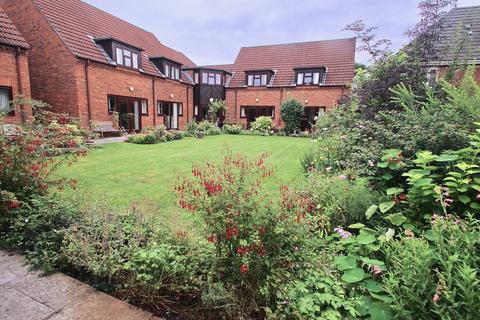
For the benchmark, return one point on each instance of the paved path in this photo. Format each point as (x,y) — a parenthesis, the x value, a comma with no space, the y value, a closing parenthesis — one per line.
(110,140)
(27,295)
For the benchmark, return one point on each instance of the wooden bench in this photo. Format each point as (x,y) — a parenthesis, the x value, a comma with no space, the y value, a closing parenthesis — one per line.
(105,127)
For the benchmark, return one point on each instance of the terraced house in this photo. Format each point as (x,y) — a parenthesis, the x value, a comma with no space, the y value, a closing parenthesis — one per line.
(93,65)
(14,76)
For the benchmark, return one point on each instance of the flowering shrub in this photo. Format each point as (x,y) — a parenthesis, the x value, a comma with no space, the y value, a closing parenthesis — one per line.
(232,129)
(262,125)
(30,217)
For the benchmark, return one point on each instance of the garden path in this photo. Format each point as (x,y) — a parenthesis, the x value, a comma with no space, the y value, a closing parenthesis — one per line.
(26,294)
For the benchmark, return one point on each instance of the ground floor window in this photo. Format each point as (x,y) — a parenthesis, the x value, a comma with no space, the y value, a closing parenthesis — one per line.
(251,113)
(5,98)
(129,111)
(311,116)
(171,111)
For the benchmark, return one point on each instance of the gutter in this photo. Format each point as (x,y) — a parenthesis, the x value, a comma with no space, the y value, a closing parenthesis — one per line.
(87,85)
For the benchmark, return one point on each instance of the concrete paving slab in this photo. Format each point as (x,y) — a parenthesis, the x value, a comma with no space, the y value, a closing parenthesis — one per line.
(15,305)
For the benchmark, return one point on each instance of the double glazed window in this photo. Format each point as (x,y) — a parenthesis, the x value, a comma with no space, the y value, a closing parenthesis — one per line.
(255,112)
(172,71)
(126,57)
(211,78)
(432,77)
(310,77)
(164,108)
(257,80)
(5,97)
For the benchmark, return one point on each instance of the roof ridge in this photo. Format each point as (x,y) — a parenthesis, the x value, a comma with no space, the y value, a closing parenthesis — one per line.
(294,43)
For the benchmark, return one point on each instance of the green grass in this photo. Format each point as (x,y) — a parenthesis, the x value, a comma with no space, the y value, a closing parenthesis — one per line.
(121,173)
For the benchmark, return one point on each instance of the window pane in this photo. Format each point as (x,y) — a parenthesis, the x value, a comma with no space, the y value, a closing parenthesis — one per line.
(257,81)
(307,79)
(111,104)
(195,77)
(4,101)
(127,53)
(204,77)
(316,77)
(135,60)
(159,108)
(119,56)
(144,107)
(242,112)
(264,79)
(180,109)
(218,79)
(177,73)
(167,71)
(195,111)
(300,78)
(128,61)
(250,80)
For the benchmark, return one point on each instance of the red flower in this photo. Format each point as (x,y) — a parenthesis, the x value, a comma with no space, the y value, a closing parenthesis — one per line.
(212,238)
(243,268)
(232,232)
(13,204)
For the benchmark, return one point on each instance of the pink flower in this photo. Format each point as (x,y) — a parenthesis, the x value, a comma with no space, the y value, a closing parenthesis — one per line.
(243,268)
(448,202)
(371,163)
(376,270)
(344,234)
(436,298)
(343,177)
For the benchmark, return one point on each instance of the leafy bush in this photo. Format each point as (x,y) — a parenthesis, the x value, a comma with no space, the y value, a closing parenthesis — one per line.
(262,125)
(208,129)
(142,139)
(174,135)
(232,129)
(155,135)
(216,109)
(292,113)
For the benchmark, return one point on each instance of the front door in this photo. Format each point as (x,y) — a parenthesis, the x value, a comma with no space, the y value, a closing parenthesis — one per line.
(129,114)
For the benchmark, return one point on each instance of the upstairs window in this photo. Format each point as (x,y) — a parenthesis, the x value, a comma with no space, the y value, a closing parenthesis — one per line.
(257,80)
(310,77)
(212,78)
(172,71)
(127,57)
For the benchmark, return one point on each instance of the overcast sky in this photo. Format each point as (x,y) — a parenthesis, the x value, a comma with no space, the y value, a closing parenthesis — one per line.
(212,31)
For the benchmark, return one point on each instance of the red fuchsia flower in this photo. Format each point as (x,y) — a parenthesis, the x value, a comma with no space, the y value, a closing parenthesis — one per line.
(344,234)
(243,268)
(402,197)
(232,232)
(212,239)
(13,204)
(31,148)
(242,250)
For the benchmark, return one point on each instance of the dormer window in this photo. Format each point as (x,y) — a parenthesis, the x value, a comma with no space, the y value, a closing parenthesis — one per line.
(172,71)
(307,77)
(212,78)
(123,54)
(258,78)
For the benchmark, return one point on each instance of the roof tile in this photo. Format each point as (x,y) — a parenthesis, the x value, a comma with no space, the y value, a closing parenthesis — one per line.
(9,34)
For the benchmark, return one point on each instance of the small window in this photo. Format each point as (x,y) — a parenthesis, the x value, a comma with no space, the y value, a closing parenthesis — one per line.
(144,107)
(5,97)
(204,77)
(211,78)
(196,77)
(195,111)
(111,104)
(432,77)
(167,70)
(218,79)
(159,108)
(180,109)
(127,57)
(250,80)
(242,112)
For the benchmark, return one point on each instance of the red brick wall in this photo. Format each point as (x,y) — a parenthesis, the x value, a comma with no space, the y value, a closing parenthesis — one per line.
(9,77)
(105,80)
(444,69)
(316,97)
(51,64)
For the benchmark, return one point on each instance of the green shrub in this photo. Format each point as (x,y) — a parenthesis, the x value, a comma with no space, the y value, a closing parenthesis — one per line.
(142,139)
(232,129)
(174,135)
(292,113)
(262,126)
(191,128)
(208,129)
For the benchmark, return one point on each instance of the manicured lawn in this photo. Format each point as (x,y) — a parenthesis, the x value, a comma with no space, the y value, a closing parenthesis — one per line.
(121,173)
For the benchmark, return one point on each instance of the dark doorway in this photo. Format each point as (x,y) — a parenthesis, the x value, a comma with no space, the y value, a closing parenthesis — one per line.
(171,112)
(129,112)
(310,118)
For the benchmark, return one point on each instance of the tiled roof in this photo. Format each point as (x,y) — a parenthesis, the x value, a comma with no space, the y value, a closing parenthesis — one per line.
(460,25)
(9,34)
(338,56)
(78,23)
(224,67)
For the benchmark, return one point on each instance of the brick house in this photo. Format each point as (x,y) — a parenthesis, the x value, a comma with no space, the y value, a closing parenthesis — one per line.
(90,64)
(14,77)
(315,73)
(459,42)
